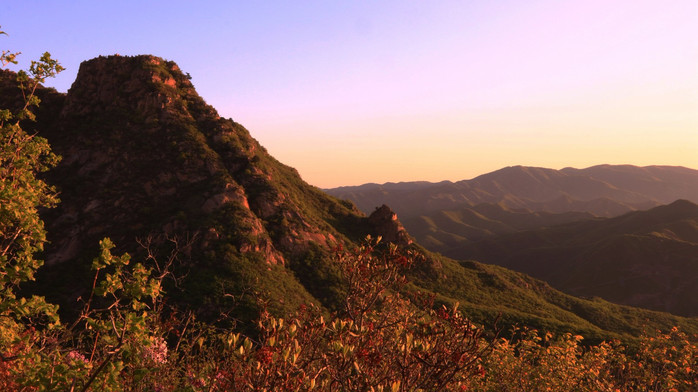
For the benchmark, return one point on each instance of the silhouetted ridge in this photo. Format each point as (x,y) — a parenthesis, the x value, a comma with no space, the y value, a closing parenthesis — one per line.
(604,190)
(678,208)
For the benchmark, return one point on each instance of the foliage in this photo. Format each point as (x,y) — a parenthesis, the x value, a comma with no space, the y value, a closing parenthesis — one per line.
(22,156)
(22,233)
(115,344)
(380,340)
(531,362)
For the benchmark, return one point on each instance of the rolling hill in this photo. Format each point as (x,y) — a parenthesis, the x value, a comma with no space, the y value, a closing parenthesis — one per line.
(643,258)
(440,231)
(564,227)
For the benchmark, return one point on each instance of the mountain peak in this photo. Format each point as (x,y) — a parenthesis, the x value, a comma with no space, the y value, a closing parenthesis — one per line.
(145,86)
(144,156)
(677,209)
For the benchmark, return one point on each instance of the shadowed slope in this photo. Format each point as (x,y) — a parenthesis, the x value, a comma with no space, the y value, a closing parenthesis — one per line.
(644,258)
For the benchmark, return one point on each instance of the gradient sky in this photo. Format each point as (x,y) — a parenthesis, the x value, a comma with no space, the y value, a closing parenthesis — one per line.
(374,91)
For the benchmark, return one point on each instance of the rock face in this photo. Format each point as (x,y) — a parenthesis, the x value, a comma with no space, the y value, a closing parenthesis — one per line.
(384,223)
(145,157)
(137,144)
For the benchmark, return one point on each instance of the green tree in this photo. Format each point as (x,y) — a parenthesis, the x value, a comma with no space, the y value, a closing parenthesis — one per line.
(22,156)
(22,234)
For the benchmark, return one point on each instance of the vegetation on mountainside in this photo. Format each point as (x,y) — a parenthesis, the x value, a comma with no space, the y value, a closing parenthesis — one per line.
(22,193)
(385,333)
(380,340)
(643,258)
(488,292)
(145,154)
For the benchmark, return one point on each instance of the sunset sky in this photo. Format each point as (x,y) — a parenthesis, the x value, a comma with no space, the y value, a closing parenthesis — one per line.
(350,92)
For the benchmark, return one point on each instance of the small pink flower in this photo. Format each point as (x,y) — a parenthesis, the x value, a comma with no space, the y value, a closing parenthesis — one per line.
(75,356)
(157,351)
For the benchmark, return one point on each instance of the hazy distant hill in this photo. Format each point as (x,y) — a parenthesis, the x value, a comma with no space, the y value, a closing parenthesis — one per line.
(145,156)
(445,215)
(644,258)
(443,230)
(604,190)
(547,223)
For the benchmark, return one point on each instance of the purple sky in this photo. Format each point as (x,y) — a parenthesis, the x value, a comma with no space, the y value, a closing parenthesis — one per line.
(357,91)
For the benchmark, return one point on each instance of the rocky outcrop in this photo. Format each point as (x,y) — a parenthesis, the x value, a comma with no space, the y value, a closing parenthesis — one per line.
(145,153)
(144,156)
(384,223)
(144,85)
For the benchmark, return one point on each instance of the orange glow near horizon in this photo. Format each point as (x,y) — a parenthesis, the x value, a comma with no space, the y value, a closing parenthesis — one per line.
(357,92)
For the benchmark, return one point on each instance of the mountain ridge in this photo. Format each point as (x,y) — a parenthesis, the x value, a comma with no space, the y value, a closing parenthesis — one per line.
(145,157)
(447,215)
(535,188)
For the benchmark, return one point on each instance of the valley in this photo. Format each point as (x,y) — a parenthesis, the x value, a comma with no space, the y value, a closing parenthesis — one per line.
(601,232)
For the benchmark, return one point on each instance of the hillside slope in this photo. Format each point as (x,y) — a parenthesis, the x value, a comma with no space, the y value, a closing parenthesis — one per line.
(441,231)
(644,258)
(145,157)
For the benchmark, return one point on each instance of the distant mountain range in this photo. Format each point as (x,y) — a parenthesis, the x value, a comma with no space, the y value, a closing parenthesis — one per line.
(566,227)
(147,161)
(604,190)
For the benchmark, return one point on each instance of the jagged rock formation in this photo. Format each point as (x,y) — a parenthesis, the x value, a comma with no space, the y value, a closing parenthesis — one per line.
(144,155)
(384,223)
(180,156)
